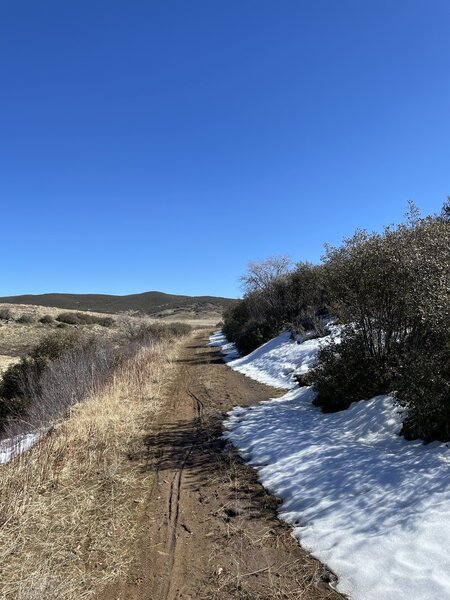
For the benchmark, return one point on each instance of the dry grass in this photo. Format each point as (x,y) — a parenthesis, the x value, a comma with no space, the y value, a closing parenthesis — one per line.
(37,312)
(66,517)
(16,339)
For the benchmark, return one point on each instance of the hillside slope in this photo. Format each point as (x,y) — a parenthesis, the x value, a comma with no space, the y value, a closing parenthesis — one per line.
(148,302)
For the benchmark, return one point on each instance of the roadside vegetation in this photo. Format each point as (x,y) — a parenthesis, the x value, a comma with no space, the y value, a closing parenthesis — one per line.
(390,292)
(68,366)
(67,509)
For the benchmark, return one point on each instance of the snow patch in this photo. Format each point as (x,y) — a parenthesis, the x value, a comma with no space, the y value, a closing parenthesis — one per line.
(362,499)
(12,447)
(276,362)
(229,350)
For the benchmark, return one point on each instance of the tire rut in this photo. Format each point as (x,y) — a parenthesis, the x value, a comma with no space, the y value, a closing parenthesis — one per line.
(173,512)
(208,529)
(199,406)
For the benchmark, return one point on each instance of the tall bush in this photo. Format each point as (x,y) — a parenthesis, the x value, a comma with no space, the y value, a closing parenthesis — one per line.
(393,291)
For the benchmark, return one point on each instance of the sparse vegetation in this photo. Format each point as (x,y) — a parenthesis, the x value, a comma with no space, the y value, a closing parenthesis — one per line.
(67,525)
(141,330)
(74,485)
(66,367)
(82,318)
(59,371)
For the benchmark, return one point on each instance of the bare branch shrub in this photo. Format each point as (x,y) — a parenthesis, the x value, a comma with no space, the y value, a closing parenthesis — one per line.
(260,275)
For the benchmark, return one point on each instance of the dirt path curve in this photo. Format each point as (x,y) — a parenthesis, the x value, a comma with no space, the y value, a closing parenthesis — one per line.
(208,530)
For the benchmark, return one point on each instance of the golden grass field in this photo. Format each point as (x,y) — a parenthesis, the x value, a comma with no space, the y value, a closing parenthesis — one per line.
(66,510)
(16,339)
(66,507)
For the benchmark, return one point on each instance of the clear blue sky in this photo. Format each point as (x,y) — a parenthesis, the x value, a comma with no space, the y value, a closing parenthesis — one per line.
(164,144)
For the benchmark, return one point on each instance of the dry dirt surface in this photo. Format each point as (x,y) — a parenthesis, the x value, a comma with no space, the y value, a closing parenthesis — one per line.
(208,530)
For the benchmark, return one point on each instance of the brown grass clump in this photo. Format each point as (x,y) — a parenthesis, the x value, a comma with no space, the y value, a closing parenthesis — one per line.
(66,517)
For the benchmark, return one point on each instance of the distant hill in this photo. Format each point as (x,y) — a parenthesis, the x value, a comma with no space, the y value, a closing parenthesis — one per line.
(147,302)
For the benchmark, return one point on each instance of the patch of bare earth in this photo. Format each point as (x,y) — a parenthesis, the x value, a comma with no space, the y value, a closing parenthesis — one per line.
(206,528)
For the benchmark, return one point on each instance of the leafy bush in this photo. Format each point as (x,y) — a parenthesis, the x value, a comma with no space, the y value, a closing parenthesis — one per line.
(346,372)
(423,388)
(79,318)
(245,330)
(394,288)
(252,335)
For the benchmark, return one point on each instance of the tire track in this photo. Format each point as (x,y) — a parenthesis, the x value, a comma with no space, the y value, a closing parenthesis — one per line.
(198,405)
(208,530)
(173,513)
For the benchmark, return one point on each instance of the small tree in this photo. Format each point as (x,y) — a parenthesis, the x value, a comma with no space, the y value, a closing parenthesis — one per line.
(260,275)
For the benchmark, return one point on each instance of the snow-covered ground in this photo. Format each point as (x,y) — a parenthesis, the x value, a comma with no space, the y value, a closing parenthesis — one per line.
(372,506)
(12,447)
(229,351)
(276,362)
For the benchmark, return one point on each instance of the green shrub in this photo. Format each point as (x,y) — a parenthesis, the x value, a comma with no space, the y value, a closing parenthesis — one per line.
(394,288)
(253,335)
(423,388)
(245,331)
(346,373)
(55,344)
(391,285)
(305,297)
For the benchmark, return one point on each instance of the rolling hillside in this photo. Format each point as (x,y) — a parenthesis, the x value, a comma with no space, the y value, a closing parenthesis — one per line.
(147,302)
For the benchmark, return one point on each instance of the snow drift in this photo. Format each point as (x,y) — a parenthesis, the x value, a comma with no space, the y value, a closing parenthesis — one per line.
(362,499)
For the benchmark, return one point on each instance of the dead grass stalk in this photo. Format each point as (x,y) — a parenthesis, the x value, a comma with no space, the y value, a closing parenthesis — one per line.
(66,517)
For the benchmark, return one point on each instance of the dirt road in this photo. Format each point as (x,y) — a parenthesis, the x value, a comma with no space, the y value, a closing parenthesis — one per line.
(208,530)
